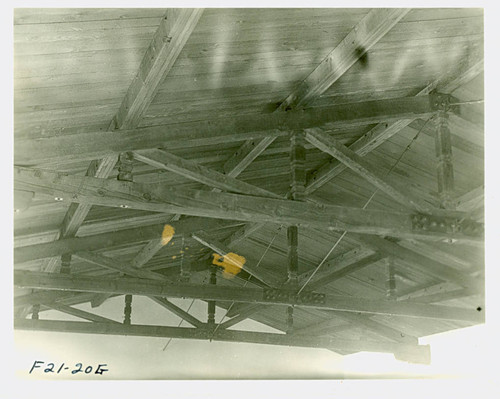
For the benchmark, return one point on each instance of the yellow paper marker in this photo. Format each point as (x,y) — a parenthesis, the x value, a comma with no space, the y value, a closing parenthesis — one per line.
(168,233)
(231,262)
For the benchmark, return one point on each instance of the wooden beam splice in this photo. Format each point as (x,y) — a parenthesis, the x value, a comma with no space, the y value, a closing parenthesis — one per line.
(157,198)
(384,131)
(362,38)
(356,163)
(89,145)
(133,286)
(246,264)
(191,170)
(417,353)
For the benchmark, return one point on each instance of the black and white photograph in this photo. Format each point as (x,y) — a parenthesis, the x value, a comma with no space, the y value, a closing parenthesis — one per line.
(251,193)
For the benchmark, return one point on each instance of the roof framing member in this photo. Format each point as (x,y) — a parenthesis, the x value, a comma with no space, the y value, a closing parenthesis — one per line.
(82,146)
(342,303)
(168,40)
(362,37)
(415,353)
(349,158)
(384,131)
(155,197)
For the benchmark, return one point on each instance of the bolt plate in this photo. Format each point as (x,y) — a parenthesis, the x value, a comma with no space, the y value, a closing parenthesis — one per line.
(306,298)
(441,224)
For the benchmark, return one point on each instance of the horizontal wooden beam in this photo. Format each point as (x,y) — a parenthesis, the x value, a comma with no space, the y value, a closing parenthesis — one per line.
(192,170)
(120,237)
(89,145)
(134,286)
(155,197)
(417,353)
(360,166)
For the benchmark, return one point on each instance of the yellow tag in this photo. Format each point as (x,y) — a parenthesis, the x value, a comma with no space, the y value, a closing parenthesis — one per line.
(231,262)
(168,233)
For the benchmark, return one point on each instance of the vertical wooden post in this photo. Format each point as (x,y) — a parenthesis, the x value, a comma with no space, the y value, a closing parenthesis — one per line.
(211,304)
(444,157)
(293,260)
(35,312)
(297,192)
(297,165)
(66,264)
(391,279)
(128,310)
(289,320)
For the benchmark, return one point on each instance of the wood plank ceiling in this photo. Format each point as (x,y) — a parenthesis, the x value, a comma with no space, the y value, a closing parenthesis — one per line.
(83,74)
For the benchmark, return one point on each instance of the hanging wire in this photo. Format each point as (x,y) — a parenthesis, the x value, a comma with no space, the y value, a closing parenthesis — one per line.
(187,311)
(365,205)
(246,282)
(189,308)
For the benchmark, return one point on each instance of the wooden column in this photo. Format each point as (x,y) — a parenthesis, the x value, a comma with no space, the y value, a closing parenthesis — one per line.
(444,156)
(211,304)
(35,312)
(297,189)
(128,310)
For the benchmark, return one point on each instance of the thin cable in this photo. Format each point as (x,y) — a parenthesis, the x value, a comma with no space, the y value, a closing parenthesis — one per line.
(246,282)
(364,206)
(182,263)
(187,311)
